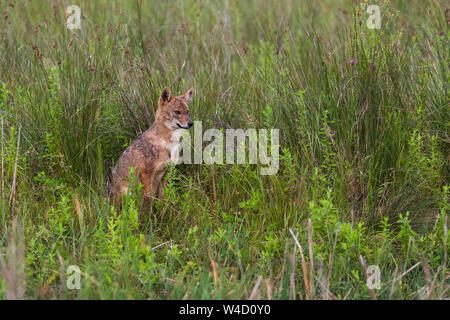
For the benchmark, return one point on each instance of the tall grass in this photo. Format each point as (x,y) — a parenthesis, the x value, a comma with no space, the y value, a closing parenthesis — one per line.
(364,144)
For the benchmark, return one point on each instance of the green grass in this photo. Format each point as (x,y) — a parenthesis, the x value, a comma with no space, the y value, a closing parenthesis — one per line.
(364,150)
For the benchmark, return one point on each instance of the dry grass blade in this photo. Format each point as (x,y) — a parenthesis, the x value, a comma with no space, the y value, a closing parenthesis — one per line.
(311,256)
(78,209)
(326,293)
(395,279)
(434,282)
(283,268)
(292,277)
(331,260)
(445,245)
(391,293)
(62,277)
(442,296)
(213,183)
(341,127)
(214,267)
(13,270)
(371,292)
(426,270)
(3,170)
(13,186)
(269,288)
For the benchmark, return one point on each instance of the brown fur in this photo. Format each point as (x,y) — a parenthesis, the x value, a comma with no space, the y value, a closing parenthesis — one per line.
(156,147)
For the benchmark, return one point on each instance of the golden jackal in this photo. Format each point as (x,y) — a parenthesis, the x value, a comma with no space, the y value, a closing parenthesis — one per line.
(156,147)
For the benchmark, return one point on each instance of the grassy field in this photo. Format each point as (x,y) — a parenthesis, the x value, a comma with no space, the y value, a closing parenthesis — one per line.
(364,170)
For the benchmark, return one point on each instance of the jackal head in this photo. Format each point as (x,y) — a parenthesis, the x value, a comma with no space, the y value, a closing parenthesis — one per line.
(173,111)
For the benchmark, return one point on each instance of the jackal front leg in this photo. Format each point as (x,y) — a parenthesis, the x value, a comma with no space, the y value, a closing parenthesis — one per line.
(147,179)
(159,183)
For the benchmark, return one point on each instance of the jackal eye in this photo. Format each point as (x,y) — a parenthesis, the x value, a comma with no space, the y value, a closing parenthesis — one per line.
(177,112)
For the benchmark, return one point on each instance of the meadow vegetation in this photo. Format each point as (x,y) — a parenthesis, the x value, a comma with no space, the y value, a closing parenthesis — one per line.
(364,150)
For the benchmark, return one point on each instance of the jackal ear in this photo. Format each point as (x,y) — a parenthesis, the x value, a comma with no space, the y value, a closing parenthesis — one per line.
(166,96)
(188,95)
